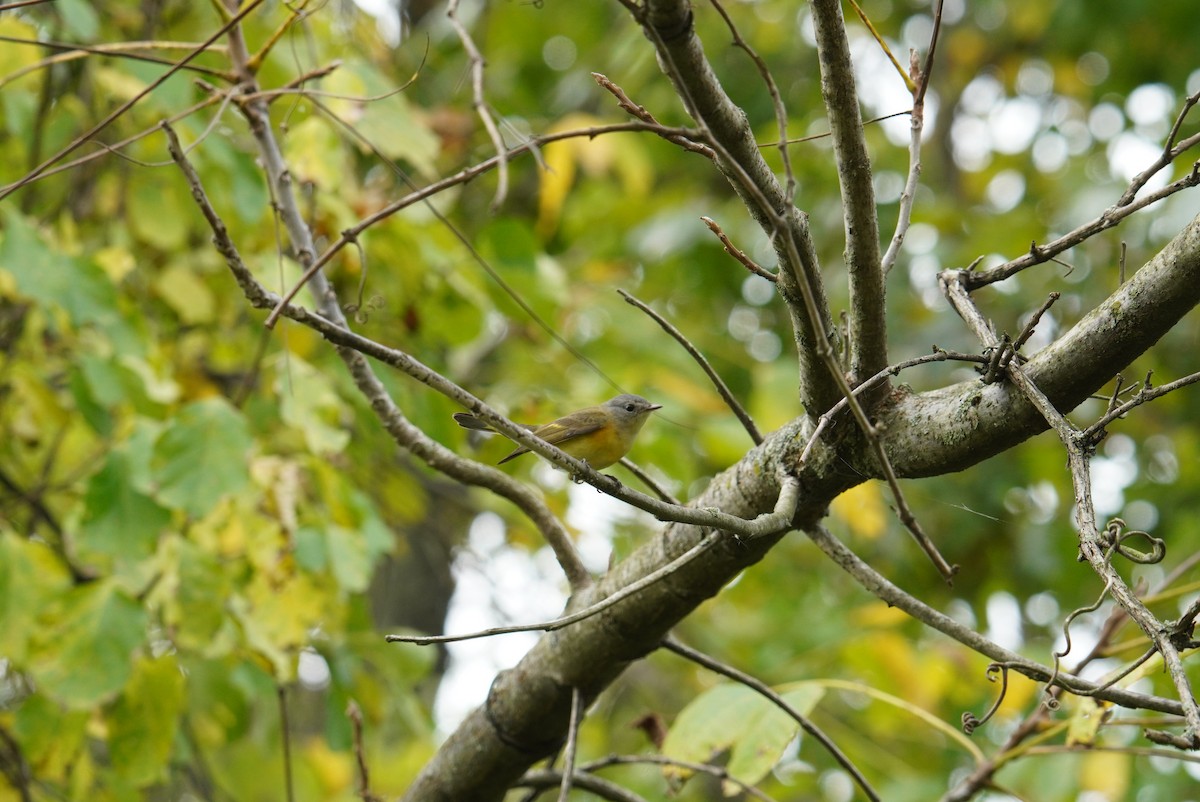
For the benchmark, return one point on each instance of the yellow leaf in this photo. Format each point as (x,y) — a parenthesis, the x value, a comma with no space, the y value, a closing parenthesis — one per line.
(560,160)
(862,510)
(15,58)
(333,770)
(1106,773)
(116,262)
(186,294)
(315,154)
(1087,717)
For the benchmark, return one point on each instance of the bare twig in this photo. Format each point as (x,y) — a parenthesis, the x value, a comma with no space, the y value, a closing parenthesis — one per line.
(423,194)
(479,101)
(604,789)
(354,713)
(1145,394)
(737,253)
(675,136)
(69,51)
(909,194)
(568,769)
(1031,324)
(781,116)
(764,526)
(921,76)
(1107,219)
(760,687)
(566,620)
(716,772)
(722,388)
(648,481)
(1170,152)
(285,738)
(796,140)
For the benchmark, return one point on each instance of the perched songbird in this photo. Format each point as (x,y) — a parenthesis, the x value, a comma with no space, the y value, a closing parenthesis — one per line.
(599,436)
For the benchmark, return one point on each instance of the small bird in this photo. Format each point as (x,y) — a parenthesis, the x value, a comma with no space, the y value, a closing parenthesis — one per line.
(599,436)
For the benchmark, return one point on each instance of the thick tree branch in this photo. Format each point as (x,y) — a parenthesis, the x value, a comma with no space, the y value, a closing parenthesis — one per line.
(970,421)
(868,323)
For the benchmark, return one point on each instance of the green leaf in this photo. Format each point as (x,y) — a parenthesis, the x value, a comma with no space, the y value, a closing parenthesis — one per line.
(51,736)
(159,211)
(80,20)
(202,590)
(348,558)
(399,134)
(309,549)
(144,720)
(84,653)
(309,403)
(30,577)
(736,718)
(201,457)
(119,520)
(78,286)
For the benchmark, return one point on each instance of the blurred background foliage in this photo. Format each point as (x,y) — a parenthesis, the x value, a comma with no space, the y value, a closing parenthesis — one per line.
(203,527)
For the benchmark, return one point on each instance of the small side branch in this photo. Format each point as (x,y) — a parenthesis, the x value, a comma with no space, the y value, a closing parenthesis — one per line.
(640,112)
(568,772)
(737,253)
(567,620)
(1110,217)
(1147,393)
(919,84)
(722,388)
(781,117)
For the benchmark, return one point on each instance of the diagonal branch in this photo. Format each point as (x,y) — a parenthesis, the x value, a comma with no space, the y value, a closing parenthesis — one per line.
(719,383)
(878,585)
(1098,554)
(398,426)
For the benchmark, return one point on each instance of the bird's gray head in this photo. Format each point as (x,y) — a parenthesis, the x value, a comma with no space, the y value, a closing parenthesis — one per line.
(630,407)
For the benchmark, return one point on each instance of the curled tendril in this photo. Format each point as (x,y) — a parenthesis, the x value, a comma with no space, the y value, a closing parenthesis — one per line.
(1049,699)
(969,720)
(1115,534)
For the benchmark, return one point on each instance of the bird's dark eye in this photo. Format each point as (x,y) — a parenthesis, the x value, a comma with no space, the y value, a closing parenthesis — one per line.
(629,407)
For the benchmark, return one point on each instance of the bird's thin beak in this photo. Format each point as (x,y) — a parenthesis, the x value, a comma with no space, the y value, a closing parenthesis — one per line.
(655,406)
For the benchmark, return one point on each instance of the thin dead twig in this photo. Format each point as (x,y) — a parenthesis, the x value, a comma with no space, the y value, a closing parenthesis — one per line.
(479,101)
(723,389)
